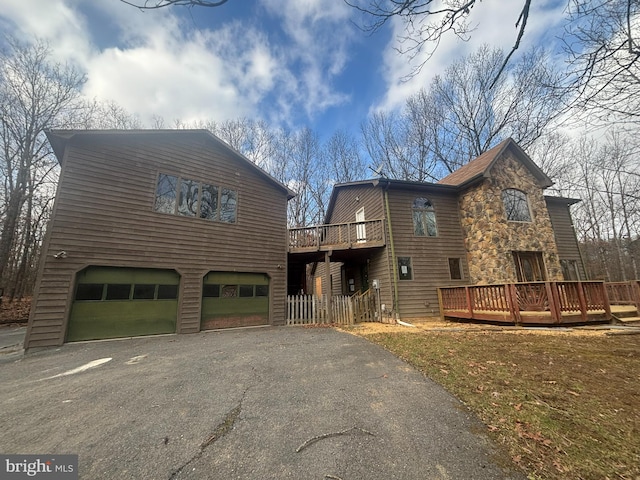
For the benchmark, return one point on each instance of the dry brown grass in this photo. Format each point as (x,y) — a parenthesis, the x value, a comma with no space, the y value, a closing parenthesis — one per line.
(564,404)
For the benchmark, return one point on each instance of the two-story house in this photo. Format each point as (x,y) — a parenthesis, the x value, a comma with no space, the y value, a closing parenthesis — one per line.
(488,222)
(158,231)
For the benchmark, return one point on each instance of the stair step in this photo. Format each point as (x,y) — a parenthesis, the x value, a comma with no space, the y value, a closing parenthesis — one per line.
(627,320)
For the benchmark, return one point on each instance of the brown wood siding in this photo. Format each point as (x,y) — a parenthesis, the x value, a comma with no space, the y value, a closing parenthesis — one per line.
(350,199)
(564,233)
(418,298)
(104,216)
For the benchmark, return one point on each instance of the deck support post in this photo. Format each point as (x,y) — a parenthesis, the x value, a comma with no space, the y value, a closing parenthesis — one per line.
(327,269)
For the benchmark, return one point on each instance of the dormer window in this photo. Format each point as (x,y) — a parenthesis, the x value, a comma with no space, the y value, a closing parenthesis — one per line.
(424,218)
(516,206)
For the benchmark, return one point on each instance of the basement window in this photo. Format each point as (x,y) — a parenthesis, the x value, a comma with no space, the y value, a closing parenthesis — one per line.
(455,269)
(405,272)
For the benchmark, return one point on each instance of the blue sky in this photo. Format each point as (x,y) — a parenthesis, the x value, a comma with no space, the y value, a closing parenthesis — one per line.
(292,63)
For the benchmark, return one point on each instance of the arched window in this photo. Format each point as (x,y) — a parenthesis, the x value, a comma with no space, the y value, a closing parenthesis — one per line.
(516,206)
(424,218)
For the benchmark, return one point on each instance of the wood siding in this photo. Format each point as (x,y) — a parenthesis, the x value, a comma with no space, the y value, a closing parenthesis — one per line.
(418,298)
(104,215)
(350,199)
(565,235)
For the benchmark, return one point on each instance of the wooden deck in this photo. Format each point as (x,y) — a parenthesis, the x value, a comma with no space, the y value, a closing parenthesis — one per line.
(339,236)
(535,303)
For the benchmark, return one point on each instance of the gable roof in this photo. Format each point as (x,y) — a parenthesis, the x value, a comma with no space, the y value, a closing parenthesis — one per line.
(480,167)
(60,139)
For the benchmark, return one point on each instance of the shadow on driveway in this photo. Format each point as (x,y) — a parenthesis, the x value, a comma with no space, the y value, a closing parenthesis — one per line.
(257,403)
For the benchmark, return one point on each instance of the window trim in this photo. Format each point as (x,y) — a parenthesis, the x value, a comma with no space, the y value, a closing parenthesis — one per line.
(423,213)
(219,216)
(409,275)
(460,269)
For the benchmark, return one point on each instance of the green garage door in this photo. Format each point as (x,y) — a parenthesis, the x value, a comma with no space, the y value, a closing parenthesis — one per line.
(234,300)
(111,302)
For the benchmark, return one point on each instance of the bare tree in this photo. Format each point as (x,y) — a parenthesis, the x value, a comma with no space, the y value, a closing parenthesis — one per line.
(427,21)
(602,43)
(458,116)
(35,94)
(155,4)
(342,154)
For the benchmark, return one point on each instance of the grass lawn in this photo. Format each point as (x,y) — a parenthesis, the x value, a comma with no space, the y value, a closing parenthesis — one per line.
(562,404)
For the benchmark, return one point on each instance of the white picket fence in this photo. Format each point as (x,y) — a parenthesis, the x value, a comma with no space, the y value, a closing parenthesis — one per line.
(345,309)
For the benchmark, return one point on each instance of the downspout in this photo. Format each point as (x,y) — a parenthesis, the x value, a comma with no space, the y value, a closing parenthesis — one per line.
(394,260)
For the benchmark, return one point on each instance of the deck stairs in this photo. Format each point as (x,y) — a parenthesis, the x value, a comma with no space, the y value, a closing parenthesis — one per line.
(625,314)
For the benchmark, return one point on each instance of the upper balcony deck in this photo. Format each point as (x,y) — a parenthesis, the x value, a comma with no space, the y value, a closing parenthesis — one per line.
(338,236)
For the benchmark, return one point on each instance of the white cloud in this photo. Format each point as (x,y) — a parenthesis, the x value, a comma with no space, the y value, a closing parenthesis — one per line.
(156,63)
(494,23)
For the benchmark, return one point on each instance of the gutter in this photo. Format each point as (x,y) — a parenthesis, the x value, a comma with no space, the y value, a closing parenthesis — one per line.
(394,260)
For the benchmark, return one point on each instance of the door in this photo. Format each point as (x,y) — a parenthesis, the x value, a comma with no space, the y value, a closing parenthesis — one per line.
(112,302)
(361,228)
(529,266)
(231,299)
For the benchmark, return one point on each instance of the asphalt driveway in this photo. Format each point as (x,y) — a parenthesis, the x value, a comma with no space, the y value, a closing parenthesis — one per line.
(265,403)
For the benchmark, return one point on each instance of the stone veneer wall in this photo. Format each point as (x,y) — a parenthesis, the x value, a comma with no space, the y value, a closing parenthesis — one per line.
(490,239)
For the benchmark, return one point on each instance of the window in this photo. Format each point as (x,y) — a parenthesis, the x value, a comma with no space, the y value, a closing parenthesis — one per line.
(144,292)
(516,206)
(167,292)
(166,194)
(455,269)
(118,291)
(190,198)
(424,218)
(570,270)
(262,290)
(246,291)
(188,204)
(529,266)
(404,268)
(122,291)
(229,291)
(228,206)
(211,291)
(209,202)
(89,291)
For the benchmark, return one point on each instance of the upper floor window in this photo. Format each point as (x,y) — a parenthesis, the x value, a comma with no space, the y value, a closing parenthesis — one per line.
(424,218)
(190,198)
(516,206)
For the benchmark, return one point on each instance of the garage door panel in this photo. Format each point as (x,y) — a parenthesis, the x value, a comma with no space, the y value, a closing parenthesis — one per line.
(112,302)
(232,299)
(121,319)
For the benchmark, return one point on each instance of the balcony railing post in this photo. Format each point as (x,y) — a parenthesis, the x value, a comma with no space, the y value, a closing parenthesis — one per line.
(554,301)
(582,298)
(467,293)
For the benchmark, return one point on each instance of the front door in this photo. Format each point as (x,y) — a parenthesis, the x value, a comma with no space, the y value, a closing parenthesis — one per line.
(529,266)
(361,228)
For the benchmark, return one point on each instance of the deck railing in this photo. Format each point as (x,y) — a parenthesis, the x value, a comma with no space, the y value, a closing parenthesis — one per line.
(532,302)
(367,233)
(624,293)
